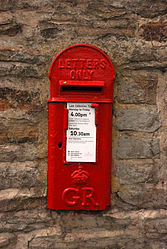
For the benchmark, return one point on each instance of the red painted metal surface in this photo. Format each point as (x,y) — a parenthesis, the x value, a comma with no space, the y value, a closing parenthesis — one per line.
(80,74)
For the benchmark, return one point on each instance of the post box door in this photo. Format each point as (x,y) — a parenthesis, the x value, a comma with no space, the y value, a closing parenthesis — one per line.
(75,181)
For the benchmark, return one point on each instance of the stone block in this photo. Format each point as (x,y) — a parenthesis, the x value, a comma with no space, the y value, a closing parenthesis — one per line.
(6,240)
(16,199)
(22,71)
(18,175)
(50,29)
(72,221)
(21,153)
(142,8)
(156,244)
(154,31)
(28,220)
(144,196)
(18,131)
(8,25)
(137,148)
(19,99)
(8,55)
(101,242)
(137,87)
(133,173)
(8,5)
(138,119)
(156,228)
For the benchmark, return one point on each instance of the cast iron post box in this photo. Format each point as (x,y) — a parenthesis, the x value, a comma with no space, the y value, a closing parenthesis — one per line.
(80,125)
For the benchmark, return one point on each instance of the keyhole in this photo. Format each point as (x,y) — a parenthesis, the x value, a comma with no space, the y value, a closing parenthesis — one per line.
(60,145)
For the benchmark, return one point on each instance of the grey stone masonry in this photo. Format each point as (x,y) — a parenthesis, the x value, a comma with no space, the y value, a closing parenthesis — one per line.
(138,119)
(134,172)
(134,147)
(137,86)
(133,33)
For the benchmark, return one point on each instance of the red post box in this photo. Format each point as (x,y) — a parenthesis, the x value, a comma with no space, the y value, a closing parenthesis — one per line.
(80,125)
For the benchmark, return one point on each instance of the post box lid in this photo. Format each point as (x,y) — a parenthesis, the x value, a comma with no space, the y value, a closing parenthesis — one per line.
(81,73)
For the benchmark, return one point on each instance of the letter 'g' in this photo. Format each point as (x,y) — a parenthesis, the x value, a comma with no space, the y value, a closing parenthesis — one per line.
(70,196)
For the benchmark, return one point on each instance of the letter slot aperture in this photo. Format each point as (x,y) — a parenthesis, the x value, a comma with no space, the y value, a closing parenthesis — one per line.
(82,86)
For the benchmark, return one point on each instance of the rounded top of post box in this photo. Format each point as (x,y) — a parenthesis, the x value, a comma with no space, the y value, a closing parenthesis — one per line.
(78,48)
(81,65)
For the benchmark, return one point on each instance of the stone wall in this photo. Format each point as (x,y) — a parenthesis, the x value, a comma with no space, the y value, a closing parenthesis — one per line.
(133,34)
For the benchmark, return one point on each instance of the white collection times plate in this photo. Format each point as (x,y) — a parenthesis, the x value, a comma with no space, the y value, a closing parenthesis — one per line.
(81,133)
